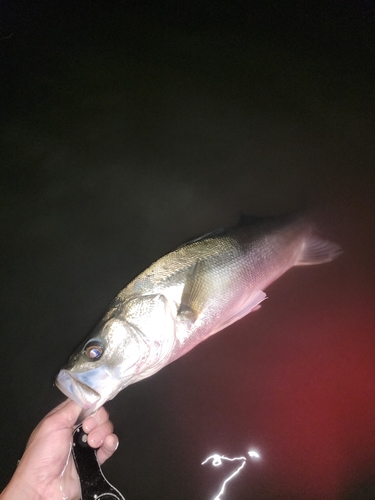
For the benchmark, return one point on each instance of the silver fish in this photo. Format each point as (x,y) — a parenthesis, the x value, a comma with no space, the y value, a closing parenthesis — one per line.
(183,298)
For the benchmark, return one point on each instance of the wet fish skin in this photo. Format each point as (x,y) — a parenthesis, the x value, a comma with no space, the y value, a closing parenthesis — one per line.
(183,298)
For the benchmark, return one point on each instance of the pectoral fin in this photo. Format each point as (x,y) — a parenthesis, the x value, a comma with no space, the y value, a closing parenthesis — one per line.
(194,293)
(252,303)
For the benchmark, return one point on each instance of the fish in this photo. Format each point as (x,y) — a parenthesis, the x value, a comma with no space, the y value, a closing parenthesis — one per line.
(191,293)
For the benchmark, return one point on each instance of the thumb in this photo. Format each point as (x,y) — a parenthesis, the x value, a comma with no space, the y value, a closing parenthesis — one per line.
(66,414)
(62,417)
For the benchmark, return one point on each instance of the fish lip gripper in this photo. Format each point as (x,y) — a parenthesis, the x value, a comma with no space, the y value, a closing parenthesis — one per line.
(94,486)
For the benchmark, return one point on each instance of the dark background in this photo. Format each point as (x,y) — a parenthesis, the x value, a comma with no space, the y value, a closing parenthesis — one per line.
(128,128)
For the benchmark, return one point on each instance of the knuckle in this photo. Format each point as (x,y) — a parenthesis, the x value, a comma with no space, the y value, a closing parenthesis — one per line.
(103,414)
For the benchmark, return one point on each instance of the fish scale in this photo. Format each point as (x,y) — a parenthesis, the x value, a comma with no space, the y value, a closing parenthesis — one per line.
(183,298)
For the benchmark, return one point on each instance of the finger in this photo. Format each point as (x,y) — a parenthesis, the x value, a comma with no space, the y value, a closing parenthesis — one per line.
(97,436)
(62,417)
(59,407)
(108,448)
(69,413)
(94,420)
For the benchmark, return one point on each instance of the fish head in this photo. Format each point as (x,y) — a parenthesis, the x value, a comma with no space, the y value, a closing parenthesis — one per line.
(102,366)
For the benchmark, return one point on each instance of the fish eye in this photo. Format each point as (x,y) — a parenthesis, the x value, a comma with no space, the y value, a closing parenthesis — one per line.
(93,350)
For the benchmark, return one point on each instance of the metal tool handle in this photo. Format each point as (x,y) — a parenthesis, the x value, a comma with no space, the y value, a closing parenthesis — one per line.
(94,485)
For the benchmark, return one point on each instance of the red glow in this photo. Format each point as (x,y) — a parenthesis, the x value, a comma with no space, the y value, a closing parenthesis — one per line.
(301,389)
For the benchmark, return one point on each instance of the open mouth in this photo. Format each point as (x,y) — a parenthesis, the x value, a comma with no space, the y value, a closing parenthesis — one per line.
(76,390)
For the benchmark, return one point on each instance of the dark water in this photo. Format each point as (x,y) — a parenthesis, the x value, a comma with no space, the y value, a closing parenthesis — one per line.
(128,128)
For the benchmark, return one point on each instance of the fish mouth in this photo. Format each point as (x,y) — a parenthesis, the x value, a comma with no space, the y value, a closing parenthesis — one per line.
(85,397)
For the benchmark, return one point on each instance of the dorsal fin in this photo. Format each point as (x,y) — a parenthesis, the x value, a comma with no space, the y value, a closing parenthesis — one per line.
(246,220)
(211,234)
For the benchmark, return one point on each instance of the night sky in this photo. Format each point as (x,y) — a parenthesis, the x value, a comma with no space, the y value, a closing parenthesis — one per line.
(128,128)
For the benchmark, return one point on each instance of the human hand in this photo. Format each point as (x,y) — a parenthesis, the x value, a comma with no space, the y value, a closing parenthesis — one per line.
(46,470)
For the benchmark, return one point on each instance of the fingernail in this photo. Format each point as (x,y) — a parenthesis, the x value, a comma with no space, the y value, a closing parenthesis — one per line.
(114,443)
(95,442)
(89,424)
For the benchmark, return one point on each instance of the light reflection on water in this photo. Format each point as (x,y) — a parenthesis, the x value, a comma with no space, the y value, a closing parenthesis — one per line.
(217,460)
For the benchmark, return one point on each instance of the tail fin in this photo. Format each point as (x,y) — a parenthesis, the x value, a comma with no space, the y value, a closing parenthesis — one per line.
(317,251)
